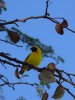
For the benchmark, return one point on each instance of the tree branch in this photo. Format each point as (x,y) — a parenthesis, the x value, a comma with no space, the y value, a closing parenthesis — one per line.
(9,63)
(33,67)
(46,11)
(34,17)
(69,92)
(17,83)
(66,89)
(10,58)
(10,43)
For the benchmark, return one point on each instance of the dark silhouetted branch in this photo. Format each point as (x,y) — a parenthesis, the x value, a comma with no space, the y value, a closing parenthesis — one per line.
(46,11)
(10,43)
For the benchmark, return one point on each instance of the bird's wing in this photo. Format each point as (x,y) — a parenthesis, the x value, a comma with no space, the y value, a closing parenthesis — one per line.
(26,59)
(23,66)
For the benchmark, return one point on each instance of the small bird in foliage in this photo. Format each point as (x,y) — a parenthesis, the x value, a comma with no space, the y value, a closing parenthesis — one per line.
(34,58)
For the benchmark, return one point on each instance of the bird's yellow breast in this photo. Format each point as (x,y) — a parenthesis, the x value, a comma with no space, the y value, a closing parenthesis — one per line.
(34,59)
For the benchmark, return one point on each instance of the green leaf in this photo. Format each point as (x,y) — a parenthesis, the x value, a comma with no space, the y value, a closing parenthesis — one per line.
(26,75)
(60,59)
(42,83)
(47,84)
(21,98)
(46,50)
(39,91)
(4,8)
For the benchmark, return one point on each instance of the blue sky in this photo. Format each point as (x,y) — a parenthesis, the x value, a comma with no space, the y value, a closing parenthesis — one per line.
(44,30)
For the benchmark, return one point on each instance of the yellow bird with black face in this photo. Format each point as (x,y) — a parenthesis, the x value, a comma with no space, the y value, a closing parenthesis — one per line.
(34,58)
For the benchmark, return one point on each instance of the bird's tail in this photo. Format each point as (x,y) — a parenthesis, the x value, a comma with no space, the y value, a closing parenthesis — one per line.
(23,69)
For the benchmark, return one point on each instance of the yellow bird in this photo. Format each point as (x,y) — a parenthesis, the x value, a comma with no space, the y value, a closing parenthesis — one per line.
(34,58)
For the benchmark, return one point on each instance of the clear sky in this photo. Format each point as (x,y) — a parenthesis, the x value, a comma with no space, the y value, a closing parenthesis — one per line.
(44,30)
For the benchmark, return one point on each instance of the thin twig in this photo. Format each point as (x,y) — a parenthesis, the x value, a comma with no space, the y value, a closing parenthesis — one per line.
(2,20)
(66,89)
(36,17)
(69,92)
(66,80)
(7,83)
(17,83)
(3,65)
(70,30)
(35,68)
(67,73)
(7,62)
(10,43)
(46,11)
(10,58)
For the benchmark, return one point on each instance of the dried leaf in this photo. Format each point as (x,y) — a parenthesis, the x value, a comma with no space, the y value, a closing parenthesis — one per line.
(51,67)
(59,29)
(2,3)
(45,96)
(14,37)
(64,24)
(46,76)
(17,74)
(59,92)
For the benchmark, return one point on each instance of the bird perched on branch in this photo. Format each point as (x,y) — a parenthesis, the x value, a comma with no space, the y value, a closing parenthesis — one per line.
(34,58)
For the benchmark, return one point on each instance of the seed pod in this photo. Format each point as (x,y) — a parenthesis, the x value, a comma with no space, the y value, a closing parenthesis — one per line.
(45,96)
(14,36)
(64,24)
(59,29)
(59,92)
(51,67)
(2,4)
(46,76)
(17,74)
